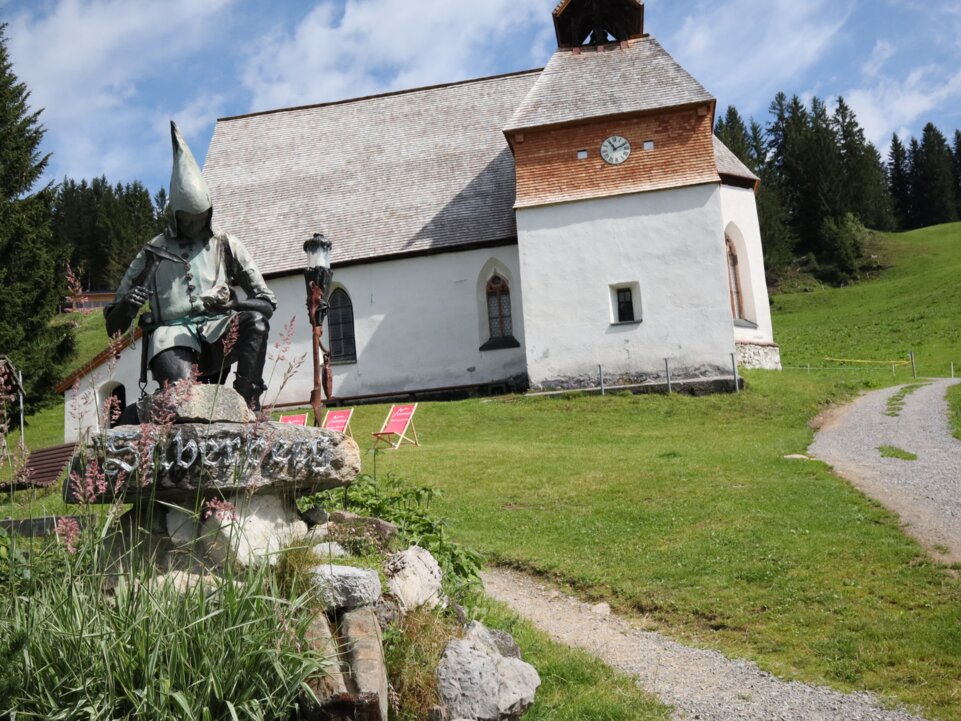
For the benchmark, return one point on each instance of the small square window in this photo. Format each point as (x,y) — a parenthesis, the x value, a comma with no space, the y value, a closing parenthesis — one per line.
(648,145)
(582,155)
(625,303)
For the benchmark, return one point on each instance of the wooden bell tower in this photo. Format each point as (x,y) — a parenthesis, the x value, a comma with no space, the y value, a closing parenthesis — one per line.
(597,22)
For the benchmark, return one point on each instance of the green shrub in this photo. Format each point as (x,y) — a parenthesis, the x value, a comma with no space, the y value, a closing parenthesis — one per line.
(408,507)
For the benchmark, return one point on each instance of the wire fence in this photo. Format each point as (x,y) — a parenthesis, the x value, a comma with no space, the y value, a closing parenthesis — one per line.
(910,368)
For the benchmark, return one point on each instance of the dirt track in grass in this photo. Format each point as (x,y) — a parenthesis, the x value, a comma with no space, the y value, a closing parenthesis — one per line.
(926,493)
(699,684)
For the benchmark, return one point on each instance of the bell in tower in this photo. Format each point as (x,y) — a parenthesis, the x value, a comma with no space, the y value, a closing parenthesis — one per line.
(598,22)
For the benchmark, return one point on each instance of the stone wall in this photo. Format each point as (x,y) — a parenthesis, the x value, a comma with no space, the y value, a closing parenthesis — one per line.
(761,356)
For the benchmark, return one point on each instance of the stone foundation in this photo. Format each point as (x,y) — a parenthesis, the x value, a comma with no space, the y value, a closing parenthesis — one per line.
(759,356)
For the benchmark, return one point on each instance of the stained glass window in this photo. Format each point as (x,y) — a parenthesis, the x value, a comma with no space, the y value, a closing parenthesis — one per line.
(499,308)
(340,322)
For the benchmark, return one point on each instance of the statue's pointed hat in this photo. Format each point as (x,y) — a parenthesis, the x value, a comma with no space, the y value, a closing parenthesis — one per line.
(188,189)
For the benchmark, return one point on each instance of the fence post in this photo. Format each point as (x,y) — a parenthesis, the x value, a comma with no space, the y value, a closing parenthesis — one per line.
(894,370)
(809,369)
(914,366)
(737,378)
(667,367)
(600,372)
(952,370)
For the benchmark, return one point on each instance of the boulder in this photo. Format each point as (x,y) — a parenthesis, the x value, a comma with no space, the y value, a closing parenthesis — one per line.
(213,459)
(316,516)
(493,638)
(346,587)
(330,550)
(378,530)
(196,404)
(256,532)
(476,681)
(414,579)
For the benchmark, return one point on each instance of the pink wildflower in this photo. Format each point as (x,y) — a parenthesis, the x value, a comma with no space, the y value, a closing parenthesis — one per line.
(230,337)
(283,342)
(91,486)
(68,532)
(75,293)
(223,510)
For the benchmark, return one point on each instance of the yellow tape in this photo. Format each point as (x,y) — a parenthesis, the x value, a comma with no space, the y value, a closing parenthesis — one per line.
(869,362)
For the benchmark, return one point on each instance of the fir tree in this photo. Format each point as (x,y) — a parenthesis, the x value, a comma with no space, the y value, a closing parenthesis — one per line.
(934,194)
(105,226)
(31,268)
(899,183)
(733,133)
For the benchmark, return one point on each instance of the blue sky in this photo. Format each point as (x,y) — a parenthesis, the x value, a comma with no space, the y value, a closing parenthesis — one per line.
(111,73)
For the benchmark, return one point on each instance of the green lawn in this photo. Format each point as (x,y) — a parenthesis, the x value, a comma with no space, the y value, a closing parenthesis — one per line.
(684,511)
(954,403)
(914,306)
(90,334)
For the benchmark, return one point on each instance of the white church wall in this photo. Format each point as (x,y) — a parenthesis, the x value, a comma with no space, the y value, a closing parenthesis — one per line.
(756,346)
(669,245)
(418,322)
(82,403)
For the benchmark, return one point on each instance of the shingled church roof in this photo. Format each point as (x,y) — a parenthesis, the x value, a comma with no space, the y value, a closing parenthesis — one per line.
(397,174)
(729,165)
(577,87)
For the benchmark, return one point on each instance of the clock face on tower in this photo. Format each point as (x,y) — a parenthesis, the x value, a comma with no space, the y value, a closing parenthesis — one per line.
(615,150)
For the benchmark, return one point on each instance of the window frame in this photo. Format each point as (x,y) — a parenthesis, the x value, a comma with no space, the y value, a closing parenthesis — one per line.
(615,298)
(500,314)
(735,287)
(343,358)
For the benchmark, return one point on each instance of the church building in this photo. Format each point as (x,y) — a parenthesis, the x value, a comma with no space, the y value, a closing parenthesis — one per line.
(514,232)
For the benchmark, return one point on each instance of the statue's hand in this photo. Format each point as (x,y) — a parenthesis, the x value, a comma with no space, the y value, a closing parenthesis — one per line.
(218,299)
(136,296)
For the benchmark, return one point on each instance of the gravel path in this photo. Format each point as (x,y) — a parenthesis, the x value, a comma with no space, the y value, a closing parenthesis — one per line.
(926,492)
(698,684)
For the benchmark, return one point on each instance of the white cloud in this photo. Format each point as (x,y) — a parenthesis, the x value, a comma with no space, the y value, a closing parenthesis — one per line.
(377,45)
(892,105)
(883,51)
(86,63)
(746,50)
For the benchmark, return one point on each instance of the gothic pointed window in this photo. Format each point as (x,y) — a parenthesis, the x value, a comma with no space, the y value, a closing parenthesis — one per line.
(734,280)
(500,323)
(499,308)
(340,322)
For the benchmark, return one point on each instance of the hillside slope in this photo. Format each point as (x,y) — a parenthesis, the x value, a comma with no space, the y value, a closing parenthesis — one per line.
(915,305)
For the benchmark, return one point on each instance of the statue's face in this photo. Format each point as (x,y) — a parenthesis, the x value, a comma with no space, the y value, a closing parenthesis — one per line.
(194,226)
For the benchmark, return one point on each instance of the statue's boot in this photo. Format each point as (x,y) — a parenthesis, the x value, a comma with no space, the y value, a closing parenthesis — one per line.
(251,355)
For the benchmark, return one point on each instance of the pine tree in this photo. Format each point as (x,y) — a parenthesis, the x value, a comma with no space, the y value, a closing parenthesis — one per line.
(105,226)
(733,133)
(31,267)
(934,194)
(899,183)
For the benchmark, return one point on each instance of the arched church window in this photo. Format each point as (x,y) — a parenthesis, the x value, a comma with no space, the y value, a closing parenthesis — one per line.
(734,280)
(340,322)
(499,308)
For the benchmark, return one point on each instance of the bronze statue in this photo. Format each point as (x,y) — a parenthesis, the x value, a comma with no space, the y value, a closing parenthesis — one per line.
(187,274)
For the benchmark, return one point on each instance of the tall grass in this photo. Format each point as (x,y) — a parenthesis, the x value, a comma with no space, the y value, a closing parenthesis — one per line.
(79,641)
